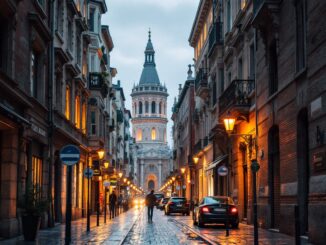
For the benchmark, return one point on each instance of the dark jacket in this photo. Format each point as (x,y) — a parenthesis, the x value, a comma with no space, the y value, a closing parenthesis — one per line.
(112,198)
(150,200)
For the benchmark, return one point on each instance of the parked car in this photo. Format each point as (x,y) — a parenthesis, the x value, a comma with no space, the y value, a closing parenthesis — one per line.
(159,197)
(177,205)
(162,203)
(212,209)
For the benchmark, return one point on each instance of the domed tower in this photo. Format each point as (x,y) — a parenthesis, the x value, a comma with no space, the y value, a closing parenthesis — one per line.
(149,110)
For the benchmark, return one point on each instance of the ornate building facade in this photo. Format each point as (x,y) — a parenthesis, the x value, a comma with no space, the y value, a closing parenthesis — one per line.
(149,108)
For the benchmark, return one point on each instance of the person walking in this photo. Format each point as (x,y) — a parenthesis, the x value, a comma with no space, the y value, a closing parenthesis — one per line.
(112,203)
(150,202)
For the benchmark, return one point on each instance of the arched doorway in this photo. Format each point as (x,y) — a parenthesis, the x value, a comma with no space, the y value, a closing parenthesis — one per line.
(303,169)
(274,176)
(151,185)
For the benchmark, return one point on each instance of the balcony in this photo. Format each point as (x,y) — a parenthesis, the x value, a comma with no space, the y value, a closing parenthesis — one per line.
(201,84)
(215,37)
(201,145)
(96,82)
(237,96)
(262,10)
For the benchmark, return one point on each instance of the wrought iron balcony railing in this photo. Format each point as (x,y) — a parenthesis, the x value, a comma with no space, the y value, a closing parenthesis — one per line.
(215,36)
(201,79)
(236,95)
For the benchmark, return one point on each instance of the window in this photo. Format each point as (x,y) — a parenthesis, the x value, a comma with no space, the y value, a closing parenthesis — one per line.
(84,117)
(240,69)
(140,107)
(70,36)
(37,173)
(153,106)
(214,92)
(4,45)
(34,74)
(77,111)
(139,136)
(273,76)
(59,18)
(92,63)
(229,78)
(300,35)
(93,123)
(79,51)
(228,16)
(67,105)
(252,62)
(221,74)
(146,107)
(91,19)
(153,134)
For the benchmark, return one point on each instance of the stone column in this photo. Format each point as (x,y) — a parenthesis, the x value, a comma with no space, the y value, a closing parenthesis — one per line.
(142,173)
(157,107)
(160,173)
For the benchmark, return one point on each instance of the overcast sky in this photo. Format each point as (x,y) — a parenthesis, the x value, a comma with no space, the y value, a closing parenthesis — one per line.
(170,22)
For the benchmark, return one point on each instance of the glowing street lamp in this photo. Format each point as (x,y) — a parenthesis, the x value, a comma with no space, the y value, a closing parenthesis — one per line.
(196,159)
(100,153)
(229,122)
(125,180)
(120,174)
(106,164)
(183,170)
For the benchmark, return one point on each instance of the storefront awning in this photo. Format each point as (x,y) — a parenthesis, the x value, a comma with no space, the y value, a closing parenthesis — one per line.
(216,162)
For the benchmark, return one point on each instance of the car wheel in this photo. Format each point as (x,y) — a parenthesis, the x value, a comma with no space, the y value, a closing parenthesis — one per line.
(201,223)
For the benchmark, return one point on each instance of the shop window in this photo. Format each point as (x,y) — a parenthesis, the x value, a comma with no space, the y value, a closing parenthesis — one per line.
(84,117)
(77,111)
(67,105)
(153,134)
(37,173)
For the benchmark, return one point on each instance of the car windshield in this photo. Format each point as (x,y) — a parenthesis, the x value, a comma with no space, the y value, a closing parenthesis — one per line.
(159,196)
(165,200)
(217,200)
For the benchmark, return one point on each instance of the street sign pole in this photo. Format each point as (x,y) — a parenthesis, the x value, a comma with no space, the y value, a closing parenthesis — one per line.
(68,206)
(69,155)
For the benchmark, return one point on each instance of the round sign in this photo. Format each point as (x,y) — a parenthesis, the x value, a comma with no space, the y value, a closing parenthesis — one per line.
(222,171)
(88,173)
(106,183)
(69,154)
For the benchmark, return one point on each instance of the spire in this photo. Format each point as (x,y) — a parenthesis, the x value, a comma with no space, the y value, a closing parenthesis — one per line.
(149,73)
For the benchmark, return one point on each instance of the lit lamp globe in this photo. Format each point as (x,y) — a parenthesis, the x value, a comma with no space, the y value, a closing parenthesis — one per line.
(229,122)
(173,178)
(120,175)
(100,153)
(196,159)
(106,164)
(124,180)
(183,170)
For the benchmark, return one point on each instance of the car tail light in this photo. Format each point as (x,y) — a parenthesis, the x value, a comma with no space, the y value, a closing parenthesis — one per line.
(205,209)
(171,203)
(234,210)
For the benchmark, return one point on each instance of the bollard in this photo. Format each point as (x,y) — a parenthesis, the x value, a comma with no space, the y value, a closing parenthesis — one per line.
(297,225)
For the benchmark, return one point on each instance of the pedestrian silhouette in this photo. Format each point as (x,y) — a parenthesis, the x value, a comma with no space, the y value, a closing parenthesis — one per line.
(150,202)
(112,203)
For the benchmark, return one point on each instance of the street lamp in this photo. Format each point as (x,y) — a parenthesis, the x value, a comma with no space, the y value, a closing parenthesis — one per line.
(100,153)
(196,159)
(106,164)
(183,170)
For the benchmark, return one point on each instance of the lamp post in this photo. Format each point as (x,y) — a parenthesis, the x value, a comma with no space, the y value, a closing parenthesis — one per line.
(229,122)
(100,156)
(88,196)
(183,170)
(120,176)
(106,165)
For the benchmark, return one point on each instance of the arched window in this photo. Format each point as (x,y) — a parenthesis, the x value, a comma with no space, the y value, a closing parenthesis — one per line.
(140,108)
(153,106)
(160,108)
(146,107)
(77,111)
(139,136)
(151,185)
(153,133)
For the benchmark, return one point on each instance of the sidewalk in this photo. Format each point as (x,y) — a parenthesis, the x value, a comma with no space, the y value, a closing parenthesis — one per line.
(243,235)
(113,232)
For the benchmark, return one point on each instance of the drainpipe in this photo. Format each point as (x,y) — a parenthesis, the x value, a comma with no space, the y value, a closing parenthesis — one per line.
(50,115)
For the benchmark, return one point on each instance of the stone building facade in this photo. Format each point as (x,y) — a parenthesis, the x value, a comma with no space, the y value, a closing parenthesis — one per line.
(149,109)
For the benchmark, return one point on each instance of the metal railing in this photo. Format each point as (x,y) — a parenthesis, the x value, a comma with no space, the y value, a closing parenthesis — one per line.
(201,78)
(237,94)
(215,36)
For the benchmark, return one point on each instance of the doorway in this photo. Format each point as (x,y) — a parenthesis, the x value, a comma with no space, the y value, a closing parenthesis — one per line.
(303,169)
(274,176)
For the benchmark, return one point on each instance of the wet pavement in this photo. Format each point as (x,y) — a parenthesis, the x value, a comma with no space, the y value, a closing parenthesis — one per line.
(113,232)
(241,236)
(162,231)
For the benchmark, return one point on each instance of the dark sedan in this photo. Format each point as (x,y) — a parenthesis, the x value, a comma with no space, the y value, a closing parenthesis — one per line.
(162,203)
(177,205)
(212,210)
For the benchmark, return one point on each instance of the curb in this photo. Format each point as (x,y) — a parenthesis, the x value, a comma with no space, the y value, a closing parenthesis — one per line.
(205,238)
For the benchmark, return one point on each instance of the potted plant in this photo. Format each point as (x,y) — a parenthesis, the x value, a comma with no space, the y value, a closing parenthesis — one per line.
(34,205)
